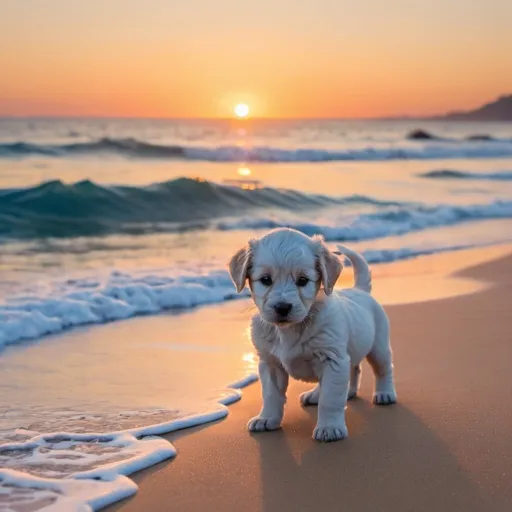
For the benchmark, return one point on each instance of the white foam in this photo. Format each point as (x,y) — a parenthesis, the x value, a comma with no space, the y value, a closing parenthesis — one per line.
(20,491)
(382,148)
(98,299)
(390,222)
(82,472)
(121,296)
(64,455)
(413,150)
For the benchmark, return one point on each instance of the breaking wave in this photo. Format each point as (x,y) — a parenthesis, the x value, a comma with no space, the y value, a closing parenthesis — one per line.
(134,148)
(85,208)
(393,221)
(123,295)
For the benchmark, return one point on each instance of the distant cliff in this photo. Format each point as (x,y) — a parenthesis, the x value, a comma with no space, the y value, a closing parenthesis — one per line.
(498,110)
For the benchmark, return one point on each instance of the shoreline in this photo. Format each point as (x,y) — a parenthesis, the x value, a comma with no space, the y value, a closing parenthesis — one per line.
(430,278)
(27,329)
(423,441)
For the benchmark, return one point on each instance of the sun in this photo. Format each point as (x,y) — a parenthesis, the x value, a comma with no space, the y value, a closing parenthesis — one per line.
(241,110)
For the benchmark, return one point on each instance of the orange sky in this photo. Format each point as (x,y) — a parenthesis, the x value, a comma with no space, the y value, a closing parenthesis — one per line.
(198,58)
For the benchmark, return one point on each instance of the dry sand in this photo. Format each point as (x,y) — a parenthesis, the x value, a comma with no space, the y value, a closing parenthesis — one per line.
(447,445)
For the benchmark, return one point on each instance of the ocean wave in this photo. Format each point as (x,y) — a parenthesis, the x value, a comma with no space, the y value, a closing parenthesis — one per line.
(56,209)
(122,295)
(85,209)
(134,148)
(128,147)
(463,175)
(389,222)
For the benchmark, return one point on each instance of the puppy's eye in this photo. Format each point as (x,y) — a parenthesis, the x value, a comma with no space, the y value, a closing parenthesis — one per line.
(302,281)
(266,280)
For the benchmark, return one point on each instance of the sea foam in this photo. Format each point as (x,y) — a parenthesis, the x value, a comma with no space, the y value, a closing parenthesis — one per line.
(122,295)
(66,472)
(387,222)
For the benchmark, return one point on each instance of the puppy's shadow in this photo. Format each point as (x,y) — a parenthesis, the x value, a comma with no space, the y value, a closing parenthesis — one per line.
(391,461)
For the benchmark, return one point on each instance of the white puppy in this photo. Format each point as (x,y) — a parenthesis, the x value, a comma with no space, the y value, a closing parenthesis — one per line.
(304,330)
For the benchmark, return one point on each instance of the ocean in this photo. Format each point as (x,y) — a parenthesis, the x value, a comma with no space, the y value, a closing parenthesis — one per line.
(104,220)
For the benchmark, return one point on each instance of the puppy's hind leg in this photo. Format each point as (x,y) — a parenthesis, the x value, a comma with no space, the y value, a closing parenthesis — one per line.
(355,380)
(310,397)
(381,360)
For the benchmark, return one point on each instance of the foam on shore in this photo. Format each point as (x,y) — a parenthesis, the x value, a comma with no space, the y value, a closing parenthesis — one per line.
(80,472)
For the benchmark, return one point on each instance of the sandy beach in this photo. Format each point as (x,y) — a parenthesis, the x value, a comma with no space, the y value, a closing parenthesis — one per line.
(446,446)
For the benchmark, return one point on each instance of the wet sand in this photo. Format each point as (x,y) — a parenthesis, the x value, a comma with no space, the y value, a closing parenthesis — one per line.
(447,445)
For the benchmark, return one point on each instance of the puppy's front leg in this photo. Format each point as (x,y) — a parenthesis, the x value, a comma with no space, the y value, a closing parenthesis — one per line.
(274,383)
(333,396)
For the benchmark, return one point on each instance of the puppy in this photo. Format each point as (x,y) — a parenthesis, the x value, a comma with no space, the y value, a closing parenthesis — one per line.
(305,330)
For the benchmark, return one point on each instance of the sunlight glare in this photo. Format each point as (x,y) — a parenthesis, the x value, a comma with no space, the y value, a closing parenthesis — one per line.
(242,110)
(244,171)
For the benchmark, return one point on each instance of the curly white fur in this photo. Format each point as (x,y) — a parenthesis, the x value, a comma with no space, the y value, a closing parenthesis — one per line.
(322,338)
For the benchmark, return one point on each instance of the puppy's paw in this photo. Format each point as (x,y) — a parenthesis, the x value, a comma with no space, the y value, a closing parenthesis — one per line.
(259,424)
(310,397)
(384,397)
(329,434)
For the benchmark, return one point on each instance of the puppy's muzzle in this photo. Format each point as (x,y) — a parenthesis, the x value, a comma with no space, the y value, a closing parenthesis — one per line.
(282,310)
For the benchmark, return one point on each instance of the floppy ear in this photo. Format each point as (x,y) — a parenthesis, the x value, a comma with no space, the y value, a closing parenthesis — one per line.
(330,267)
(239,268)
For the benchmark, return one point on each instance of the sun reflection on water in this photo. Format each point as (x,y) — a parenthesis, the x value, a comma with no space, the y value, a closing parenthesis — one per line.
(244,171)
(251,361)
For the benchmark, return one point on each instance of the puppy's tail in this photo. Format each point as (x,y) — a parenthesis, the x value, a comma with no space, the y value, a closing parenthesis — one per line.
(362,272)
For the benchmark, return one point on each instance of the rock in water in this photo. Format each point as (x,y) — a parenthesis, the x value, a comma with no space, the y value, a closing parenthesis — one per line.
(420,135)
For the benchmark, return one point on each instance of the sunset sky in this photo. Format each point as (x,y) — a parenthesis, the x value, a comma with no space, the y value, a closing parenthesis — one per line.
(284,58)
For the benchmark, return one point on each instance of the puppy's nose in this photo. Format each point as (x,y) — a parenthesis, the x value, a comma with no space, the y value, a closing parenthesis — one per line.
(283,308)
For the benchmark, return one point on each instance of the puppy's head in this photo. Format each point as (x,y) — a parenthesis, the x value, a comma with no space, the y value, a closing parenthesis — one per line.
(285,270)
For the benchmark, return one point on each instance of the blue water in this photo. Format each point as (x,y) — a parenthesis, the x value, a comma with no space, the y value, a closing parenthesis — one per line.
(103,219)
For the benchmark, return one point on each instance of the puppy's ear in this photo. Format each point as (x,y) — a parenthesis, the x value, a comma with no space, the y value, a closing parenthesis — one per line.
(329,265)
(239,268)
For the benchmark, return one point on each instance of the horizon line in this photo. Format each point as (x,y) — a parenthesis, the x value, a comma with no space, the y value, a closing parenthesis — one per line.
(398,117)
(211,118)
